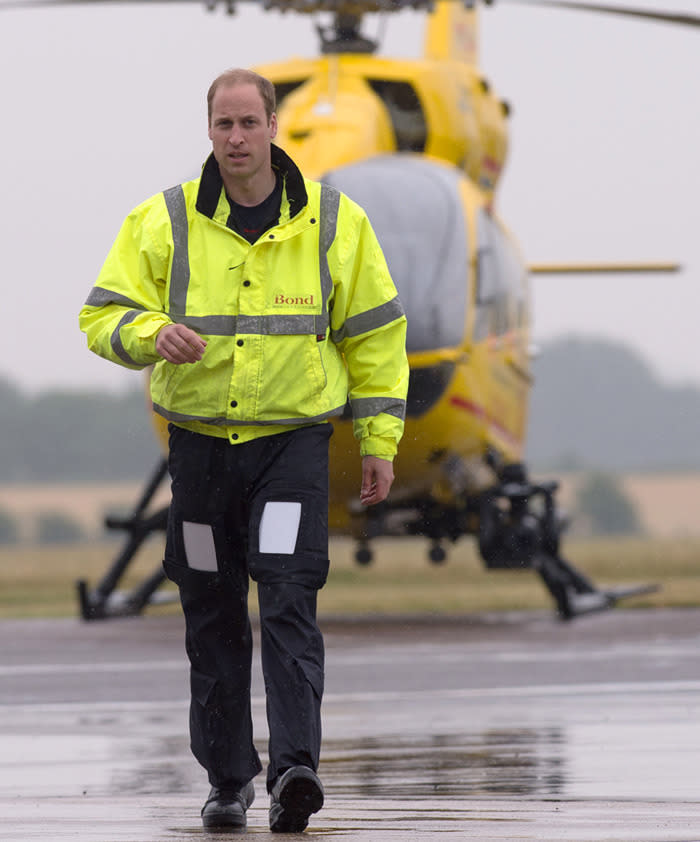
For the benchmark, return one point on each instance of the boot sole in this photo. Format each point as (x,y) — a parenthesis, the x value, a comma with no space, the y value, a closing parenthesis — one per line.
(299,798)
(222,820)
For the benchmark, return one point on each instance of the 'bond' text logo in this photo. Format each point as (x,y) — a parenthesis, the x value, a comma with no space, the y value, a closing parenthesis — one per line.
(294,300)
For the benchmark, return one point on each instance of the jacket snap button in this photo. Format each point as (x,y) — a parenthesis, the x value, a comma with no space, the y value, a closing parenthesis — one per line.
(234,403)
(239,343)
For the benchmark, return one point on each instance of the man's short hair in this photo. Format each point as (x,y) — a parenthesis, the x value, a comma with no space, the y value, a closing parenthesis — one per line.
(241,76)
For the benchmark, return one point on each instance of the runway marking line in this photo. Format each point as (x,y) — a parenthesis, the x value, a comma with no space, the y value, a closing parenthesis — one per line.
(587,689)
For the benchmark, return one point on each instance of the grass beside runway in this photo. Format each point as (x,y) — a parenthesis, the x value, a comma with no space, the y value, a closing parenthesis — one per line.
(39,581)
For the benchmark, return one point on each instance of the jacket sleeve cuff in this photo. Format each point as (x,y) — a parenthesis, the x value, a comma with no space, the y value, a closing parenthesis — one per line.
(147,329)
(145,333)
(383,448)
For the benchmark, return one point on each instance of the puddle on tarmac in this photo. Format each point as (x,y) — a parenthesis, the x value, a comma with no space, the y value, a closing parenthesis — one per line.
(614,760)
(496,762)
(507,762)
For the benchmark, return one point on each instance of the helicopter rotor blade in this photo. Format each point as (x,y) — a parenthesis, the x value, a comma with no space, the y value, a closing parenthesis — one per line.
(22,4)
(682,18)
(603,268)
(360,7)
(352,7)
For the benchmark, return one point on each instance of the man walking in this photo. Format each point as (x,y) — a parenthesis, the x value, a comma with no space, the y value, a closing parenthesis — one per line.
(264,302)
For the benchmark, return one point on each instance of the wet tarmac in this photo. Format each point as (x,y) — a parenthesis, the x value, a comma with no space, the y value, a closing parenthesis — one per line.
(498,727)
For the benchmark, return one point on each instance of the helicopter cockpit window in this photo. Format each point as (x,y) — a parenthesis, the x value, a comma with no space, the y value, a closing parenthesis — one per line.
(283,89)
(415,208)
(405,111)
(500,281)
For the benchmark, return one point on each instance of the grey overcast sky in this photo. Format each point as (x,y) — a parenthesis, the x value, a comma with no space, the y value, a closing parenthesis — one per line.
(104,106)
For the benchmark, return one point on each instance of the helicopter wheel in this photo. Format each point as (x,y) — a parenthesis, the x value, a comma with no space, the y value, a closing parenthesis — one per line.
(437,554)
(363,555)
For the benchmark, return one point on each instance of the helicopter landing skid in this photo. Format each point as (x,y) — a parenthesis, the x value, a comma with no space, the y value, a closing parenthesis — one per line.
(574,594)
(104,601)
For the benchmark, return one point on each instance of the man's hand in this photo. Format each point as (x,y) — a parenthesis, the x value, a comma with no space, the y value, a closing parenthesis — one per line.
(377,477)
(179,344)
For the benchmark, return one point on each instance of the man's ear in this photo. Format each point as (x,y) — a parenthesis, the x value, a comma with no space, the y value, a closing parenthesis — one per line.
(273,125)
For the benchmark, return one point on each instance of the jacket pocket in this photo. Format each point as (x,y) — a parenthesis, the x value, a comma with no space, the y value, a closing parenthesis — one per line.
(293,377)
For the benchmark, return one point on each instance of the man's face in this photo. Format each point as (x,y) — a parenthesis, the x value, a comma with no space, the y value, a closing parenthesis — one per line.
(240,132)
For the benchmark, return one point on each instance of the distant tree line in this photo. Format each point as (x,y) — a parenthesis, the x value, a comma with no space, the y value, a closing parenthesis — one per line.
(69,436)
(49,528)
(596,406)
(603,508)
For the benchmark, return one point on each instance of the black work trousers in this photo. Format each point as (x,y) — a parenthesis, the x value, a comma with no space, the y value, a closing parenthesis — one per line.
(259,510)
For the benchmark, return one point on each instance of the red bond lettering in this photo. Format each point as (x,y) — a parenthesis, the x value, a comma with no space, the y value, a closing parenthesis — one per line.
(291,301)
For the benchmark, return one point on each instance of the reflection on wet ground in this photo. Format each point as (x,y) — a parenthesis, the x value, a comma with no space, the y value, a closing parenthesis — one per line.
(478,739)
(496,762)
(117,762)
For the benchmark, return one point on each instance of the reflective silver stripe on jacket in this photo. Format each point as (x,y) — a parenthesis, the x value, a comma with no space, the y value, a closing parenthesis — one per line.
(369,320)
(170,415)
(369,407)
(263,325)
(99,297)
(116,341)
(230,325)
(180,270)
(328,224)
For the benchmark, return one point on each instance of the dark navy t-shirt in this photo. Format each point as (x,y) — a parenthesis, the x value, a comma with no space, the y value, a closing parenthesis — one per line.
(251,222)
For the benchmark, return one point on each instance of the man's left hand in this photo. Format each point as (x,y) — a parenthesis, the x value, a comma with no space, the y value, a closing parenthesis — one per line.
(377,477)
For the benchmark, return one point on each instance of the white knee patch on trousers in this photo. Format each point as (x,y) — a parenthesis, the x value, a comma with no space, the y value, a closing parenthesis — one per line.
(199,546)
(279,527)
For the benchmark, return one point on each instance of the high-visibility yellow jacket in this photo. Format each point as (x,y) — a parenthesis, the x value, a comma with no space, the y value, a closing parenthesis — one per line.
(295,324)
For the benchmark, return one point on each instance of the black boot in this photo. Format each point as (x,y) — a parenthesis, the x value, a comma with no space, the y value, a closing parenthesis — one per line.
(295,796)
(227,807)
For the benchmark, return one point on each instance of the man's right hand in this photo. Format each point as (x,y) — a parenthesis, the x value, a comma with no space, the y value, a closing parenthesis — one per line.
(179,344)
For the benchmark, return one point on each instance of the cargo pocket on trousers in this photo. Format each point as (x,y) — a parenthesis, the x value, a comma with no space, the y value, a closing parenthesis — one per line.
(203,688)
(289,541)
(314,676)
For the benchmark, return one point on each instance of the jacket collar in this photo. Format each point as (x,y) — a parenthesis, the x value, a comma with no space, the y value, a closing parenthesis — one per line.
(211,184)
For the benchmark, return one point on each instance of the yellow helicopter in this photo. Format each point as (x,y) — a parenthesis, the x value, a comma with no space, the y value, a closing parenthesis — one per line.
(421,145)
